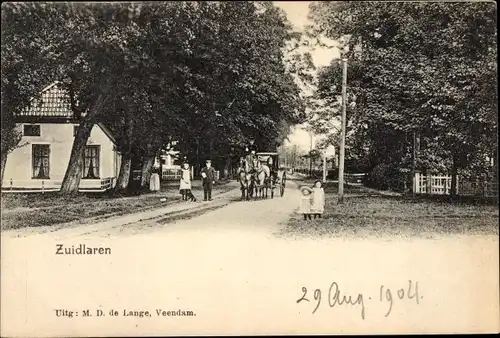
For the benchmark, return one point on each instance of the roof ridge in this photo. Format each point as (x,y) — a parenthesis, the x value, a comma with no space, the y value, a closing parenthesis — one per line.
(50,86)
(50,101)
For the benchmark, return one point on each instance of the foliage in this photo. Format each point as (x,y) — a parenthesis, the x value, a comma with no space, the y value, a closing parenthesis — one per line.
(29,61)
(423,68)
(158,72)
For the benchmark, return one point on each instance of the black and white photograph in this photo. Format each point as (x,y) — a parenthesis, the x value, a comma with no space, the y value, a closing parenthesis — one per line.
(249,168)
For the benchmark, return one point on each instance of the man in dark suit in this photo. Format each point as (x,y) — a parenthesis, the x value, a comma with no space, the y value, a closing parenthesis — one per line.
(251,147)
(208,176)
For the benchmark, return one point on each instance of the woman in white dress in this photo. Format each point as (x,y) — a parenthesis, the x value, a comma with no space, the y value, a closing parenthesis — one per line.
(185,183)
(154,182)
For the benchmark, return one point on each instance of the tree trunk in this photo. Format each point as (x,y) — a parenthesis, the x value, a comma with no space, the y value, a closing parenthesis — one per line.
(124,176)
(147,167)
(3,163)
(211,149)
(75,166)
(126,164)
(454,172)
(227,165)
(73,174)
(495,164)
(198,168)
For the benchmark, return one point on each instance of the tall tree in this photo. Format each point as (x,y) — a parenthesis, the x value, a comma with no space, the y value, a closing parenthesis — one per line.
(31,58)
(417,68)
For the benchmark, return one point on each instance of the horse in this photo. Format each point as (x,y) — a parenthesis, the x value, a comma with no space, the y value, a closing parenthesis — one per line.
(245,183)
(261,180)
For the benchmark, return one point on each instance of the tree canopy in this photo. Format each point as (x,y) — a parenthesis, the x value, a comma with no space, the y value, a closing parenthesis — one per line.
(209,75)
(418,68)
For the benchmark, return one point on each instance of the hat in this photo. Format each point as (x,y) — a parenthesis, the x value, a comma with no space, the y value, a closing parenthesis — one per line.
(302,189)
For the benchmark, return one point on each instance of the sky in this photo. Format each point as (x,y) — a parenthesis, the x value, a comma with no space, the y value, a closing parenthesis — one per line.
(296,12)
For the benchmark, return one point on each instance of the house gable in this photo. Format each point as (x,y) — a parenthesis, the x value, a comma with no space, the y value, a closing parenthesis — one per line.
(48,128)
(53,107)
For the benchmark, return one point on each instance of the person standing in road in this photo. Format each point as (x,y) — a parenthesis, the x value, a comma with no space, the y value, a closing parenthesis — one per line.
(185,182)
(208,176)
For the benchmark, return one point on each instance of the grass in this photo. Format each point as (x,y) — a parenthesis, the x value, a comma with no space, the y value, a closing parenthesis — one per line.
(365,214)
(33,210)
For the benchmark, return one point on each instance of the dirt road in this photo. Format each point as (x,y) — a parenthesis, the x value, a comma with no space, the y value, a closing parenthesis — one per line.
(237,277)
(226,216)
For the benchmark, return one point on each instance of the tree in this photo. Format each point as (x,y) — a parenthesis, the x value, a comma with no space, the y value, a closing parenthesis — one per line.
(115,57)
(30,59)
(157,72)
(417,68)
(244,90)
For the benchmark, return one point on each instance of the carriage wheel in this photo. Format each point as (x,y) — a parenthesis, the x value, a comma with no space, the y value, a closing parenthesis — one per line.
(282,185)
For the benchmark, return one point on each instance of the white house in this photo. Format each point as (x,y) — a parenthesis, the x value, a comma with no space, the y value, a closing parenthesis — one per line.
(41,159)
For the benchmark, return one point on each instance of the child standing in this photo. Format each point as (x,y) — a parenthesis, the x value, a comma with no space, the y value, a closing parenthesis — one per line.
(318,199)
(185,182)
(305,202)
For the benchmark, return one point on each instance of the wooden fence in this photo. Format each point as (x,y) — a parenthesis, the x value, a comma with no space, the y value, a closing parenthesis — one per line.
(478,188)
(171,174)
(441,185)
(43,186)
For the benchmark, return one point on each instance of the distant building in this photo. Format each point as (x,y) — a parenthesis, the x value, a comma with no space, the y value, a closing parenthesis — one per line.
(48,129)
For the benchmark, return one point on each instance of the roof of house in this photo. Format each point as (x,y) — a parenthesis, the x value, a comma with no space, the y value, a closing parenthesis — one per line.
(54,106)
(54,102)
(107,132)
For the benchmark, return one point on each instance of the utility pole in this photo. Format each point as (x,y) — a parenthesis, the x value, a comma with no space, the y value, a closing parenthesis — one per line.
(414,164)
(310,152)
(324,166)
(343,132)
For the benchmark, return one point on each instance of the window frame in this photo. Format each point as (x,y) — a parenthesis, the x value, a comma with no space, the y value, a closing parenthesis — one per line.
(98,158)
(33,161)
(32,125)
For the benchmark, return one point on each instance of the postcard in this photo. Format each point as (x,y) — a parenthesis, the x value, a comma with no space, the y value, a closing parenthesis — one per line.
(249,168)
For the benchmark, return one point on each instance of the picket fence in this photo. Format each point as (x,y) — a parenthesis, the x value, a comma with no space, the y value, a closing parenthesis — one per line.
(173,174)
(43,186)
(441,185)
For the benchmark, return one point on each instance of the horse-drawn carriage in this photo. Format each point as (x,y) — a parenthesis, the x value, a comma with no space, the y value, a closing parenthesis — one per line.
(260,172)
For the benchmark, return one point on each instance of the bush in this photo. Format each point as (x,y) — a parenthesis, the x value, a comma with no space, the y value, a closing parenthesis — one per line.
(386,177)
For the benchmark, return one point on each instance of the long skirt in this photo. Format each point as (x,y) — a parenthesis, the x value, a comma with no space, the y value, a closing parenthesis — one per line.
(154,182)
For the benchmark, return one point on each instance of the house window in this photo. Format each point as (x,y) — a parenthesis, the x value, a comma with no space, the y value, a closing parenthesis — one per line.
(91,162)
(41,161)
(31,130)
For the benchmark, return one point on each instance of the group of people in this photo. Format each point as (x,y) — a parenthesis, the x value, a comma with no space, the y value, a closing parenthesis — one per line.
(208,177)
(207,174)
(312,200)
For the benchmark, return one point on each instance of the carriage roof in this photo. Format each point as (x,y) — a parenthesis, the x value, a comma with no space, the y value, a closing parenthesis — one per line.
(267,154)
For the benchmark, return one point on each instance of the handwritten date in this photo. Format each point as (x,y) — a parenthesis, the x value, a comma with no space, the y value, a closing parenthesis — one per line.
(386,295)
